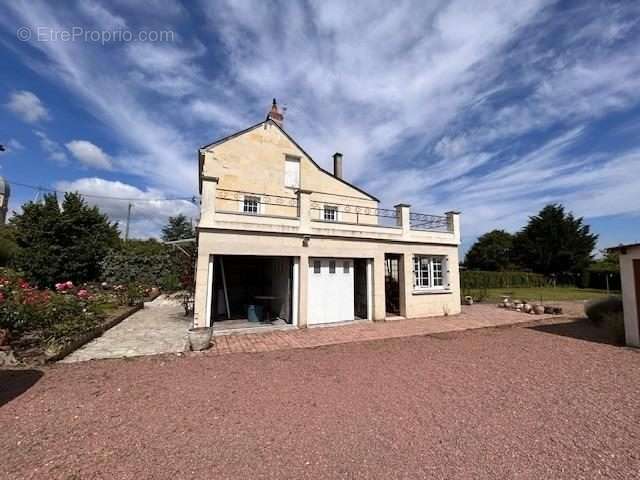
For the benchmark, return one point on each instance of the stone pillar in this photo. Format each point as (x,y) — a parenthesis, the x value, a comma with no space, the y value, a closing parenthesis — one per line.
(208,201)
(303,291)
(204,287)
(453,218)
(379,306)
(403,217)
(304,210)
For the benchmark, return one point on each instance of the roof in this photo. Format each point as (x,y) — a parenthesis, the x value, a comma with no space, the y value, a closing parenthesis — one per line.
(623,247)
(241,132)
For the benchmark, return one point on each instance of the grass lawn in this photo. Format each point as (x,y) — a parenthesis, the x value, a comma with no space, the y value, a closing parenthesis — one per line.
(537,294)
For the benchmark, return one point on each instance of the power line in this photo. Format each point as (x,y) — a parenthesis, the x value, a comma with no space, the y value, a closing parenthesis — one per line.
(191,199)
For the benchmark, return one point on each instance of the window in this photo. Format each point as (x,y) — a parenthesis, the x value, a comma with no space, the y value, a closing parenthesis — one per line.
(428,272)
(292,172)
(330,213)
(332,266)
(251,205)
(316,266)
(346,266)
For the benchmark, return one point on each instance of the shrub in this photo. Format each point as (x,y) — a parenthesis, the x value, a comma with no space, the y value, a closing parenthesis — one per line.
(615,325)
(478,279)
(131,266)
(598,310)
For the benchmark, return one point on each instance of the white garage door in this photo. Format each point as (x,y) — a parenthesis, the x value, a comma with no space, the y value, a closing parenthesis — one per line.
(330,290)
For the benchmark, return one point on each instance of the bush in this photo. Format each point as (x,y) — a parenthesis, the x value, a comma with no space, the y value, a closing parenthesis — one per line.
(482,280)
(598,310)
(615,325)
(131,266)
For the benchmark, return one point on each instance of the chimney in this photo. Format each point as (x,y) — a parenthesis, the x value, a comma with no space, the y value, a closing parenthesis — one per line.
(275,114)
(337,165)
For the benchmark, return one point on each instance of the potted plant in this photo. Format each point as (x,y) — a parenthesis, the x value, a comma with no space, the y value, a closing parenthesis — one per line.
(200,338)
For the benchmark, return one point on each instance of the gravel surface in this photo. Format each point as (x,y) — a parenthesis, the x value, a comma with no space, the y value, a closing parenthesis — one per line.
(496,403)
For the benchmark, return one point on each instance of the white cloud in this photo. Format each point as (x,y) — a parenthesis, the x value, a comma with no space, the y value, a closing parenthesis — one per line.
(89,154)
(27,106)
(14,145)
(150,207)
(53,149)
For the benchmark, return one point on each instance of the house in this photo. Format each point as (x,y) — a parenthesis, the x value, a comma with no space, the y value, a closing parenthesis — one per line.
(284,241)
(630,281)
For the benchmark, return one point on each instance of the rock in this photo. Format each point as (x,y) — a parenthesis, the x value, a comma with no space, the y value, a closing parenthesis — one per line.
(7,359)
(548,309)
(557,310)
(519,306)
(501,305)
(516,301)
(527,308)
(468,300)
(538,309)
(508,305)
(5,337)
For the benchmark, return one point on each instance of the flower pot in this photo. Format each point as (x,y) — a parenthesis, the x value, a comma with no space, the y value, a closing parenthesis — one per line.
(200,338)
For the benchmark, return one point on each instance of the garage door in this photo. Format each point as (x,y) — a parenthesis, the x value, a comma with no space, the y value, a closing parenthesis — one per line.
(330,290)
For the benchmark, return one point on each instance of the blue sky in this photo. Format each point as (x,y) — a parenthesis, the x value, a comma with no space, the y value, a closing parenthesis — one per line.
(491,108)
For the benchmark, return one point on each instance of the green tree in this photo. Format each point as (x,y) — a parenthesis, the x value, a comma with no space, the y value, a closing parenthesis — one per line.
(555,242)
(8,247)
(62,242)
(492,251)
(177,228)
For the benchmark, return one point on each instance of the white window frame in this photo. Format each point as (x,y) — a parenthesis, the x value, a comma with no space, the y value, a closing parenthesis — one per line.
(292,159)
(425,272)
(330,208)
(260,205)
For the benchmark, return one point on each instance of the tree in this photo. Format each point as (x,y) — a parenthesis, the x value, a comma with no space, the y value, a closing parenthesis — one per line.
(492,251)
(62,242)
(177,228)
(555,242)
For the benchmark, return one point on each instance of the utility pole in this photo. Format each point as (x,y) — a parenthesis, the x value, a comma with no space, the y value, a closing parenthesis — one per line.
(126,232)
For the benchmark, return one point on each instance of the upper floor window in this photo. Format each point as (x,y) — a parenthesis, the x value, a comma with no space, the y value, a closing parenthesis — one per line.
(251,205)
(292,172)
(330,213)
(428,271)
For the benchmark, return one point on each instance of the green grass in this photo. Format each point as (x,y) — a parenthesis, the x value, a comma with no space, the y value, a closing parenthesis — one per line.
(540,294)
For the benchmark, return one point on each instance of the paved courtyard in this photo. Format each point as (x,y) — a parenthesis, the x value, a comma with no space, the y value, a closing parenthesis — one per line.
(160,327)
(521,402)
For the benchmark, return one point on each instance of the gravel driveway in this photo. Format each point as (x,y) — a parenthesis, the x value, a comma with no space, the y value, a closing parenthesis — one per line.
(498,403)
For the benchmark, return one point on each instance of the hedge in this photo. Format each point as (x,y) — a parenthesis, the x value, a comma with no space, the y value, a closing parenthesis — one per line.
(482,279)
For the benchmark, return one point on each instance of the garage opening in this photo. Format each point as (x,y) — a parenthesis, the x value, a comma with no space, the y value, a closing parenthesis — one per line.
(251,291)
(392,284)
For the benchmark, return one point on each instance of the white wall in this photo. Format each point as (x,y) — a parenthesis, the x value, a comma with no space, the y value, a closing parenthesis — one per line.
(629,301)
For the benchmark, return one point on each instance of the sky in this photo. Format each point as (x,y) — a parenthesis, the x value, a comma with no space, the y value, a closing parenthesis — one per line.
(491,108)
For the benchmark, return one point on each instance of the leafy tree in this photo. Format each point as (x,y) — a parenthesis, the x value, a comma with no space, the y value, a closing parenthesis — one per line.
(555,242)
(62,242)
(492,251)
(8,247)
(177,228)
(608,262)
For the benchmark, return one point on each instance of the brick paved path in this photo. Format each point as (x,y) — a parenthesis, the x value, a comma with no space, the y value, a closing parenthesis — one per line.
(476,316)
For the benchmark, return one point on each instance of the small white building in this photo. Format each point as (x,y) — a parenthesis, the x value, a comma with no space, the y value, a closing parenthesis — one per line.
(630,279)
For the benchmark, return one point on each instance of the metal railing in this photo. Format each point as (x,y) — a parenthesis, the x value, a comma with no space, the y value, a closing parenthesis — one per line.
(431,223)
(252,203)
(329,212)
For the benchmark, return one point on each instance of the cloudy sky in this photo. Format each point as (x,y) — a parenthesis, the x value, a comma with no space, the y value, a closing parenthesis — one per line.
(491,108)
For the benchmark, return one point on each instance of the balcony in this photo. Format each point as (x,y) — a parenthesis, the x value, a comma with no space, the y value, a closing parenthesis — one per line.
(308,212)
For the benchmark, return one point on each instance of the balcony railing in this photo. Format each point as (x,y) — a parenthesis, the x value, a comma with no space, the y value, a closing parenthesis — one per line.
(431,223)
(325,211)
(251,203)
(353,214)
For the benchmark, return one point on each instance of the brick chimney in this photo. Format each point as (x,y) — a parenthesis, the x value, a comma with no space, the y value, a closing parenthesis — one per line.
(275,114)
(337,165)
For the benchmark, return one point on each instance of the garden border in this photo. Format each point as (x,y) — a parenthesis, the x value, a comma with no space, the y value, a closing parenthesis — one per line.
(96,332)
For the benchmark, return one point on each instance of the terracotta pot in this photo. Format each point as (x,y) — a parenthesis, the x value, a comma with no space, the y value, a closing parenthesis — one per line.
(200,338)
